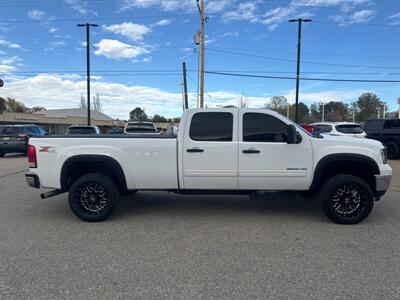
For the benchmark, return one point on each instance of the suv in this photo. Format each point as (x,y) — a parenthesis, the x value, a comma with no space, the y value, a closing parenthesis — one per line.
(339,128)
(386,131)
(83,129)
(14,138)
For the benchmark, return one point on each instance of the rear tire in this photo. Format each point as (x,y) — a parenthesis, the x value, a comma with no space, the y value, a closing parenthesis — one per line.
(2,154)
(93,197)
(346,199)
(392,150)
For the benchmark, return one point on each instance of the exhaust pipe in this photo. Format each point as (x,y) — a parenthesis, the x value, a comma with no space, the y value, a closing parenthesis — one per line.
(50,194)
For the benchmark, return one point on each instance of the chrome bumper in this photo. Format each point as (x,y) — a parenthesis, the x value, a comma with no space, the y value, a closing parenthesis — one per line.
(382,182)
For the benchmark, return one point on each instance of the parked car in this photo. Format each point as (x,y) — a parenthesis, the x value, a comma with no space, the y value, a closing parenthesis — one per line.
(309,128)
(339,128)
(137,127)
(116,130)
(14,138)
(224,150)
(83,129)
(386,131)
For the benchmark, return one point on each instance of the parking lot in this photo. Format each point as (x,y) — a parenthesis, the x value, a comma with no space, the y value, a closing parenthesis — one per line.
(160,245)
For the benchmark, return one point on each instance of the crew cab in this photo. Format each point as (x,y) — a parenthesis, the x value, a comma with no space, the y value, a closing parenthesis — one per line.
(227,150)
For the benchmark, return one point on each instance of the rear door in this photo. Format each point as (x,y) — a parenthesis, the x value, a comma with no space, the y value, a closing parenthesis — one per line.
(210,151)
(266,161)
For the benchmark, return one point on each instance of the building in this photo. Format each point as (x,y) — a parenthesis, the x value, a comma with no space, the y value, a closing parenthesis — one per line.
(56,121)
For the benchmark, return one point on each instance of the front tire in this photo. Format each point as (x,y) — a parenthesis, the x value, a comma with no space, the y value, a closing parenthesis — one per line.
(93,197)
(392,150)
(346,199)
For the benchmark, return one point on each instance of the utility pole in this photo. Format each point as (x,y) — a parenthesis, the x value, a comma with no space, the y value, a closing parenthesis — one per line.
(185,92)
(200,6)
(300,21)
(323,112)
(88,25)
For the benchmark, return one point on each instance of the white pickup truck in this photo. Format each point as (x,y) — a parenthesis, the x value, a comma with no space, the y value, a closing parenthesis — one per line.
(217,150)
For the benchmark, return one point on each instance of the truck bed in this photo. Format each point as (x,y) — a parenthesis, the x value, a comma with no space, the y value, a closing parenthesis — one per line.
(149,162)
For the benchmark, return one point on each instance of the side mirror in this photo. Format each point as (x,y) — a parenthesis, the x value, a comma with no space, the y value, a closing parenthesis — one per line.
(291,134)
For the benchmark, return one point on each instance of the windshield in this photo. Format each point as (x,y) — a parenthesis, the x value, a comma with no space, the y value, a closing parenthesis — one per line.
(349,128)
(81,130)
(140,127)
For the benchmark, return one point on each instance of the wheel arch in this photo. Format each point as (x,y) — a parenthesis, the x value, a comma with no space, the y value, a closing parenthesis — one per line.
(353,164)
(79,165)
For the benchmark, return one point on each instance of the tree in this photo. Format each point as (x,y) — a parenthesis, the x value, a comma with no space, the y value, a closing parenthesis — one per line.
(138,114)
(315,110)
(303,112)
(368,105)
(96,104)
(3,105)
(37,108)
(16,106)
(83,103)
(159,119)
(335,111)
(278,104)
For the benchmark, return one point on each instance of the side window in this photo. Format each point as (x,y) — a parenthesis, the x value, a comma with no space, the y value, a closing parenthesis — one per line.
(372,125)
(211,126)
(259,127)
(392,124)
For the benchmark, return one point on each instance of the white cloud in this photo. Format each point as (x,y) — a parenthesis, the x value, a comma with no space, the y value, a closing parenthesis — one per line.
(57,91)
(394,19)
(359,17)
(53,29)
(117,50)
(326,3)
(325,96)
(230,34)
(169,5)
(82,7)
(130,30)
(36,14)
(163,22)
(5,43)
(245,11)
(9,64)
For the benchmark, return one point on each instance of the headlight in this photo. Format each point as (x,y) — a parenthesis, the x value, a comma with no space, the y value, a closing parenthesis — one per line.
(384,155)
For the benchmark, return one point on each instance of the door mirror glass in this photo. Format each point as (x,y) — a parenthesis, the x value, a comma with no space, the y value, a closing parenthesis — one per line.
(291,134)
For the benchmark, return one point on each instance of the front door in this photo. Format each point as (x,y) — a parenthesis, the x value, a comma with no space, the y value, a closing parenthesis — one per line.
(210,151)
(266,161)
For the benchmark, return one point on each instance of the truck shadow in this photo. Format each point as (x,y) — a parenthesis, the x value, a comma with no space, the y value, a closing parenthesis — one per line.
(280,204)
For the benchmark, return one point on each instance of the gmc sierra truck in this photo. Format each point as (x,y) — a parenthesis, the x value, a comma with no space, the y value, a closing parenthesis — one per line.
(216,151)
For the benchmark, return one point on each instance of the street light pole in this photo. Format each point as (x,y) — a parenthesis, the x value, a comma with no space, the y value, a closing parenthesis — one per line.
(300,21)
(88,25)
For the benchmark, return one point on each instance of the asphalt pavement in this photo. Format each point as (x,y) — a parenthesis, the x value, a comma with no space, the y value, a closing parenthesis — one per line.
(166,246)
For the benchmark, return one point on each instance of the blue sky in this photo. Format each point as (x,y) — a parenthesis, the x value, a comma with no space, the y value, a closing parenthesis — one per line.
(140,45)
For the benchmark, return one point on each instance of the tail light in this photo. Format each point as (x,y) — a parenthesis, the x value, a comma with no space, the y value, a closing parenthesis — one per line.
(32,156)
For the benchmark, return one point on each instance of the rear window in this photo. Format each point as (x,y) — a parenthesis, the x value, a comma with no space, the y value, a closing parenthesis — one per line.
(323,128)
(81,130)
(349,128)
(212,126)
(10,130)
(140,127)
(392,124)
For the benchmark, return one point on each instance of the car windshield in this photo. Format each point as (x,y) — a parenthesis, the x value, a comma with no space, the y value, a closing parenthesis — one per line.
(11,130)
(349,128)
(140,127)
(81,130)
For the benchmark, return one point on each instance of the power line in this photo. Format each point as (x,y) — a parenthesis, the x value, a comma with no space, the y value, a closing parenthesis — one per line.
(302,78)
(306,62)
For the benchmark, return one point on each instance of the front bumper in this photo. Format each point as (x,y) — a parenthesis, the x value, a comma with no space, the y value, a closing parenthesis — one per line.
(382,182)
(32,180)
